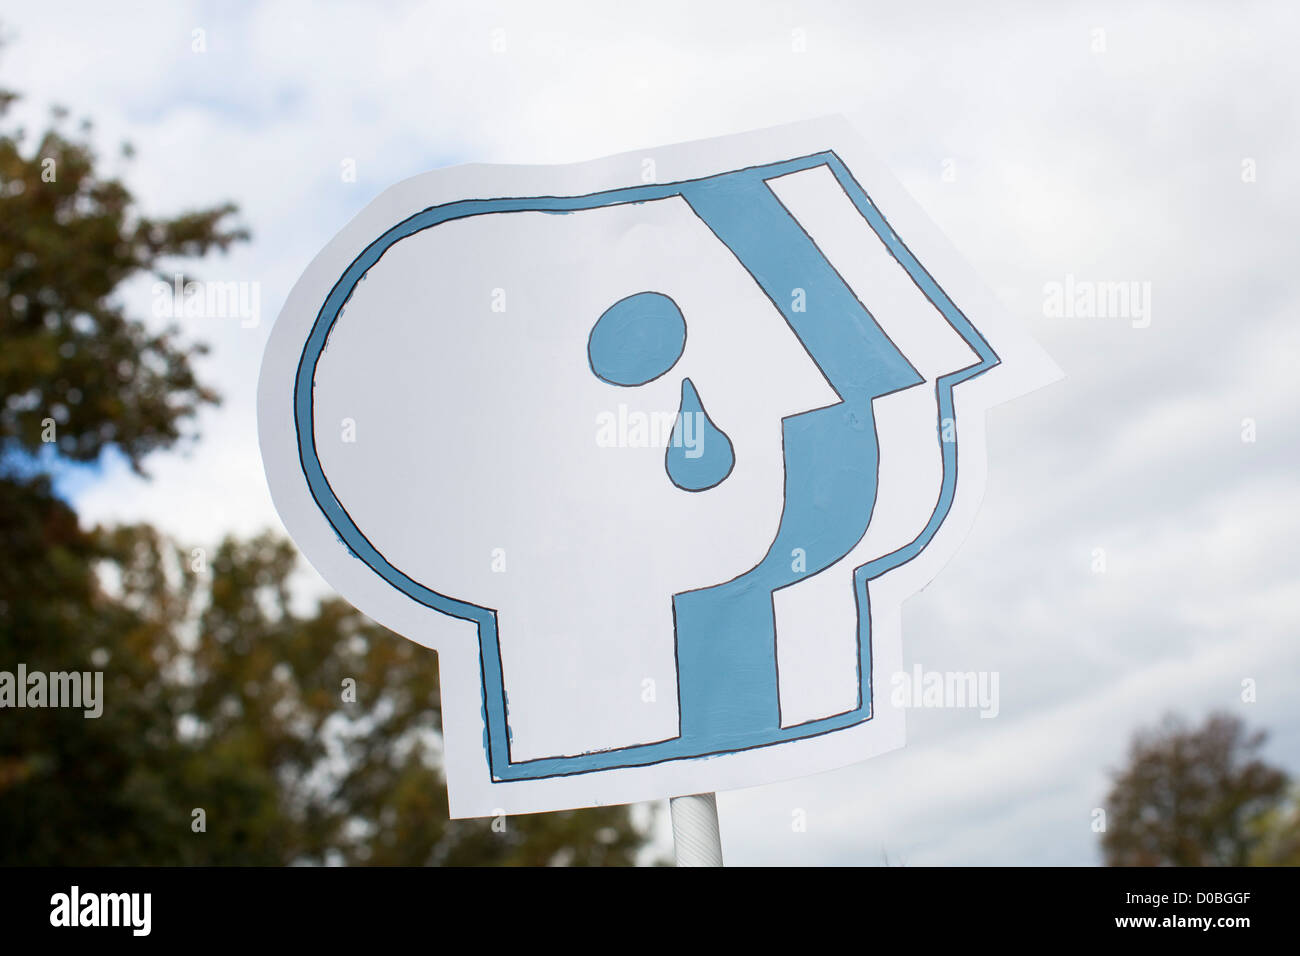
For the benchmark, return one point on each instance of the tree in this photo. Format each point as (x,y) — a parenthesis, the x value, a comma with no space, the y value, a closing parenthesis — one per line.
(1278,830)
(236,728)
(68,240)
(1191,796)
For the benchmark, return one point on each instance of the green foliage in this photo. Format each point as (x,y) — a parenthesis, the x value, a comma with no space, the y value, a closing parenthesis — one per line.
(221,696)
(68,239)
(1192,796)
(1277,831)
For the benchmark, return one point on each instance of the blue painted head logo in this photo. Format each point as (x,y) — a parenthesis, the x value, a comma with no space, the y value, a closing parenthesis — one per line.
(508,400)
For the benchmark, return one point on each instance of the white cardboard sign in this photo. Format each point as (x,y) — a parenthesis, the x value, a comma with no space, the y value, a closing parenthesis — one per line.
(650,449)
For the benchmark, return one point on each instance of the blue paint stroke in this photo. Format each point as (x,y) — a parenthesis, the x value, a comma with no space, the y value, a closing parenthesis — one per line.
(700,455)
(637,339)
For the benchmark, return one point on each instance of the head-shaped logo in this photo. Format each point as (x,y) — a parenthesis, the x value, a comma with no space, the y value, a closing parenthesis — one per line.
(651,464)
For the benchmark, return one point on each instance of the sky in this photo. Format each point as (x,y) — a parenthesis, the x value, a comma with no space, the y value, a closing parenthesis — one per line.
(1135,553)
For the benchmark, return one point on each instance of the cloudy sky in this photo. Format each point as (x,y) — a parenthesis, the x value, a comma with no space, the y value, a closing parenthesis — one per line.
(1109,142)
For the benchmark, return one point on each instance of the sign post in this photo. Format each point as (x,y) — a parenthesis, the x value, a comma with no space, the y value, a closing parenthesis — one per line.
(696,838)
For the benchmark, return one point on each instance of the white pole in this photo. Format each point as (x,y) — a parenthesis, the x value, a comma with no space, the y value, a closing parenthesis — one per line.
(696,839)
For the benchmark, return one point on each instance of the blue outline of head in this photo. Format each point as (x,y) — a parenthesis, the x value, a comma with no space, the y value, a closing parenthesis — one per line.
(725,633)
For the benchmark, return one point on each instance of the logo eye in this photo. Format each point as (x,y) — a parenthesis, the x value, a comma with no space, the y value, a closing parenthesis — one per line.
(637,339)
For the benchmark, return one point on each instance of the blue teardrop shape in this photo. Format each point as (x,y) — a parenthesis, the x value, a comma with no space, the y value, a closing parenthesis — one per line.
(700,455)
(637,339)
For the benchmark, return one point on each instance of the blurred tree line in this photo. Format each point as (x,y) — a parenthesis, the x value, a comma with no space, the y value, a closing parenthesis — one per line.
(226,735)
(1201,796)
